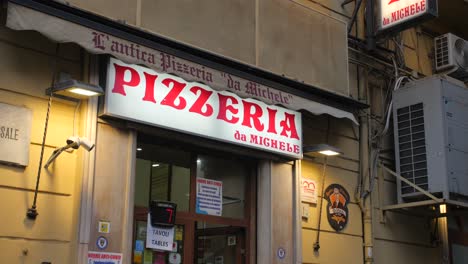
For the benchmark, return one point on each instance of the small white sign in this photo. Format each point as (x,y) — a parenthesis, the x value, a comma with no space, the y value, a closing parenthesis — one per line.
(231,240)
(104,257)
(160,238)
(308,190)
(175,258)
(209,197)
(15,134)
(104,227)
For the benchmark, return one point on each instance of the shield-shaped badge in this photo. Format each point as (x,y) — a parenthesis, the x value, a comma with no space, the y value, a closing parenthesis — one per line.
(337,208)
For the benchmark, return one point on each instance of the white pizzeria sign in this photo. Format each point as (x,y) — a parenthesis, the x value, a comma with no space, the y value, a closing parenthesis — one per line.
(399,14)
(143,95)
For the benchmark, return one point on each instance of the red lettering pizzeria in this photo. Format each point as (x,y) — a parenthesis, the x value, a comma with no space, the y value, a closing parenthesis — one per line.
(141,94)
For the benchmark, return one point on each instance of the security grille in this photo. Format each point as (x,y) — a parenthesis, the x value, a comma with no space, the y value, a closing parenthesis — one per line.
(442,59)
(412,147)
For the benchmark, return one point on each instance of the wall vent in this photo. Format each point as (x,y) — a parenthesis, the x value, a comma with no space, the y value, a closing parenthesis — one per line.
(412,147)
(442,58)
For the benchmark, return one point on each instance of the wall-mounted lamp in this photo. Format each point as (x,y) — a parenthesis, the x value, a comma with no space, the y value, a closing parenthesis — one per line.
(75,89)
(72,90)
(324,149)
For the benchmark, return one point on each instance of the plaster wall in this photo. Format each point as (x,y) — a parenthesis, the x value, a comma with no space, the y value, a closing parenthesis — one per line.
(302,40)
(26,70)
(342,170)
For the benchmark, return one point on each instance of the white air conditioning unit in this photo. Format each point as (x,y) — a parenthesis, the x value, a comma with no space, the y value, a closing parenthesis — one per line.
(431,131)
(451,56)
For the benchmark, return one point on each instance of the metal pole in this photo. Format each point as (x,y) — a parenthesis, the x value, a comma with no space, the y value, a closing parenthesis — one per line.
(353,18)
(370,25)
(364,121)
(443,234)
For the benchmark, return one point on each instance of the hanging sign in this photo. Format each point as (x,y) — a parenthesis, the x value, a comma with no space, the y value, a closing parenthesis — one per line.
(15,134)
(143,95)
(209,197)
(308,190)
(396,15)
(104,258)
(337,208)
(160,238)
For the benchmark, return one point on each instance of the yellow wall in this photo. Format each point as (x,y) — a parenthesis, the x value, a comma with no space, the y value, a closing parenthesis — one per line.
(26,70)
(335,247)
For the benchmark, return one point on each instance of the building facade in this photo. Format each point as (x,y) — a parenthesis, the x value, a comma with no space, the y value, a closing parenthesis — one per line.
(215,107)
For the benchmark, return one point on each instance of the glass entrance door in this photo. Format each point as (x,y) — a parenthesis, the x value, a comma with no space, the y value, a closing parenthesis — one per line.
(214,193)
(181,249)
(222,245)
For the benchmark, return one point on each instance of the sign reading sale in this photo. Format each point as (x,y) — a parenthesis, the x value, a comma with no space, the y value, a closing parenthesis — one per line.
(397,12)
(143,95)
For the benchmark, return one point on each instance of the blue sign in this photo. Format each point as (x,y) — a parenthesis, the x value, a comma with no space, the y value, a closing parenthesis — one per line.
(139,246)
(281,253)
(101,243)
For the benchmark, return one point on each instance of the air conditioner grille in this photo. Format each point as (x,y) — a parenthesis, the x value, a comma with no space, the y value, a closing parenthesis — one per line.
(412,147)
(442,51)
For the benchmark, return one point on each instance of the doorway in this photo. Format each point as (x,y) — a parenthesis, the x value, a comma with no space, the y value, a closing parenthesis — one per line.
(215,197)
(220,245)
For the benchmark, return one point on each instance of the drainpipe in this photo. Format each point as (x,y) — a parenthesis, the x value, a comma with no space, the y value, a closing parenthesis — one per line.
(364,121)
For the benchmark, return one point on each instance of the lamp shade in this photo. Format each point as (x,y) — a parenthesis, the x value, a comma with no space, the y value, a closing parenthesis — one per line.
(75,89)
(324,149)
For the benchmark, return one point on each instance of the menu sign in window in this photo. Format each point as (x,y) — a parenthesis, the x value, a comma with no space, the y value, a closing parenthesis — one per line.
(209,197)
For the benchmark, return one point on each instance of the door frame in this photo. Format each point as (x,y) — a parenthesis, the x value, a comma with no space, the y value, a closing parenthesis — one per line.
(189,218)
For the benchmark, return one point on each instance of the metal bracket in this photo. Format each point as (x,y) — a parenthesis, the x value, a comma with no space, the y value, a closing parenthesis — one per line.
(434,201)
(346,2)
(398,176)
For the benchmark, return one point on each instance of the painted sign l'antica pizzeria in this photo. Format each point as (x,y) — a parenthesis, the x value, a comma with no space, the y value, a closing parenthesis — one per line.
(337,208)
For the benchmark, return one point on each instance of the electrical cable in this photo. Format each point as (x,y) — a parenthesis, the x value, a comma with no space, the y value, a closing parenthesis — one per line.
(74,118)
(32,212)
(322,187)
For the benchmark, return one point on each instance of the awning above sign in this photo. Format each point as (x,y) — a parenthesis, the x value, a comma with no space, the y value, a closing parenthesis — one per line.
(20,17)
